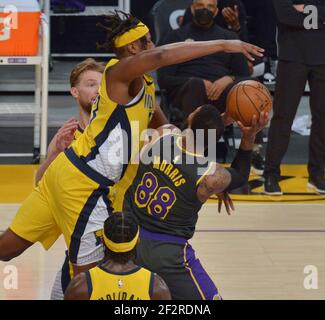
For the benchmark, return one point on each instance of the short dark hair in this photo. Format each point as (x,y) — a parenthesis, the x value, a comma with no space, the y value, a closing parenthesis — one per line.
(207,118)
(120,228)
(116,24)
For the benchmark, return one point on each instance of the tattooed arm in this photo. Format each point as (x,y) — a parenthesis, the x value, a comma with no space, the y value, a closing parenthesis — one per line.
(219,181)
(214,182)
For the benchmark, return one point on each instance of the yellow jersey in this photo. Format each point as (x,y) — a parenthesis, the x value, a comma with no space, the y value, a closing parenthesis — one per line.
(112,137)
(72,196)
(136,284)
(78,133)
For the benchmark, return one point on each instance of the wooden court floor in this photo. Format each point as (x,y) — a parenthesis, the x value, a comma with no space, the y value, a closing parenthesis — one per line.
(260,252)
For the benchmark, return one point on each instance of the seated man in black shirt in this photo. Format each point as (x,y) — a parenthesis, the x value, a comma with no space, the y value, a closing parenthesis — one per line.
(206,80)
(231,15)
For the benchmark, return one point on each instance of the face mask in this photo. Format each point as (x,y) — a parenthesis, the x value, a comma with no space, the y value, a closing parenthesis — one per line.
(203,17)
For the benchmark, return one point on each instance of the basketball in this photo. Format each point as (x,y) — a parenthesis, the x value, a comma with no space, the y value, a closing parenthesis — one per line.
(246,99)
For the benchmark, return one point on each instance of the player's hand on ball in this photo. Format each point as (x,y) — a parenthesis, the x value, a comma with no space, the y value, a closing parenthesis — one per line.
(256,125)
(247,49)
(225,198)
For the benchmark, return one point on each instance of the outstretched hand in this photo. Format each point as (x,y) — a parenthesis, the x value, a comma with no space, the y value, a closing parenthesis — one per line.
(225,198)
(247,49)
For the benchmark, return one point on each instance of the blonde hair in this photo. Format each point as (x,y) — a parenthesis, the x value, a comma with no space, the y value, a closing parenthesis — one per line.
(86,65)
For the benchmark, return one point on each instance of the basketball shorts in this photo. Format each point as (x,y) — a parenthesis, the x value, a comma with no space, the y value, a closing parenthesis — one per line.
(71,199)
(173,259)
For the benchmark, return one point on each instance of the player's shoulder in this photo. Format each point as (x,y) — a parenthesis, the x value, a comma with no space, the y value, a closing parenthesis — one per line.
(111,63)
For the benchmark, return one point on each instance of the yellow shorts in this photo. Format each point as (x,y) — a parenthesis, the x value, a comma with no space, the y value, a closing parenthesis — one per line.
(33,221)
(71,199)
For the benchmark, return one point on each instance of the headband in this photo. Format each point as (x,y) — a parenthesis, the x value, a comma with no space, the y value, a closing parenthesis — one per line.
(132,35)
(121,247)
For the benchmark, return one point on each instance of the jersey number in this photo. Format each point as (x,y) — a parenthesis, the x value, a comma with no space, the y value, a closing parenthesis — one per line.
(158,201)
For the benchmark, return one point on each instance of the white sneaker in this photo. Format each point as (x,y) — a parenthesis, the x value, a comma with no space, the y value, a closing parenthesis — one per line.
(268,78)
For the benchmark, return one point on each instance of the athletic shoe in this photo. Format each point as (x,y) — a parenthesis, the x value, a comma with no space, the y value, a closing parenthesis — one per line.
(272,187)
(317,183)
(269,78)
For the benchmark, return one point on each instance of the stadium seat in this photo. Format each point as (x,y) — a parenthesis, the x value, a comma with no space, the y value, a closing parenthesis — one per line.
(166,16)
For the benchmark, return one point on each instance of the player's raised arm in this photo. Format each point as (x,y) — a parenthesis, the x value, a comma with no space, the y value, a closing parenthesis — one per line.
(242,161)
(150,60)
(215,181)
(219,180)
(130,39)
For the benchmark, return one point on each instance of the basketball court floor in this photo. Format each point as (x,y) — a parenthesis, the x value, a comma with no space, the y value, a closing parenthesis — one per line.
(262,251)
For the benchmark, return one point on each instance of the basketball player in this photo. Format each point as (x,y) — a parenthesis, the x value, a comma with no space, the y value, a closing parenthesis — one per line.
(117,277)
(169,191)
(85,79)
(72,197)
